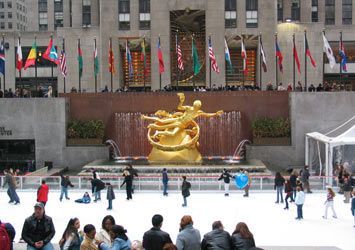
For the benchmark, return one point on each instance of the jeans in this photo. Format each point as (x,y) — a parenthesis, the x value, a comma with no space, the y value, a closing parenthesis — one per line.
(129,192)
(288,196)
(185,201)
(109,204)
(97,194)
(294,192)
(279,193)
(331,205)
(165,188)
(14,197)
(49,246)
(306,186)
(299,211)
(10,195)
(347,195)
(63,191)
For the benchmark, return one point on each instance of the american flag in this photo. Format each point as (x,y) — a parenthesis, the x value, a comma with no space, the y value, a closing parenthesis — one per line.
(179,55)
(63,64)
(213,60)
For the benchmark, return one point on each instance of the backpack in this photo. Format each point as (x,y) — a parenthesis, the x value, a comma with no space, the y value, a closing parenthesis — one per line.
(5,242)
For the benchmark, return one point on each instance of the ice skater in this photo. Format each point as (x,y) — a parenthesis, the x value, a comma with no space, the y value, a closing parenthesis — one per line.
(10,181)
(329,203)
(134,173)
(299,201)
(128,181)
(289,193)
(226,176)
(110,195)
(353,206)
(347,188)
(42,193)
(65,183)
(86,199)
(96,186)
(279,185)
(247,187)
(305,179)
(293,181)
(185,190)
(165,179)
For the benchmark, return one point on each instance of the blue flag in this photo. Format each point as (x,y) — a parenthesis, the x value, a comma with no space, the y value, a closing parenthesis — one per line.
(2,59)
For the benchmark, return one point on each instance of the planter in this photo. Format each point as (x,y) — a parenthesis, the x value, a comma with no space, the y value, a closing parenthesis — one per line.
(83,142)
(270,141)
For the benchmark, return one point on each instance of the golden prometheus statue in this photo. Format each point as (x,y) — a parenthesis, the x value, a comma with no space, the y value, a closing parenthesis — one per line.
(174,136)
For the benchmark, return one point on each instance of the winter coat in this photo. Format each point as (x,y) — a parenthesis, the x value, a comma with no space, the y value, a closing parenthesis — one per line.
(65,182)
(305,175)
(10,180)
(128,180)
(225,176)
(155,239)
(99,184)
(353,206)
(73,242)
(185,188)
(293,181)
(10,231)
(279,182)
(216,239)
(110,193)
(104,236)
(117,244)
(31,234)
(240,243)
(347,187)
(300,198)
(88,244)
(288,187)
(42,193)
(188,239)
(133,172)
(165,177)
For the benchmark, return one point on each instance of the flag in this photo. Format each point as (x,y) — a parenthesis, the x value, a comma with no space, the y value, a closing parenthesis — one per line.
(244,57)
(2,58)
(279,56)
(227,54)
(32,56)
(196,64)
(342,54)
(160,58)
(129,60)
(296,58)
(80,60)
(51,53)
(328,50)
(19,63)
(144,57)
(213,60)
(111,59)
(96,61)
(63,64)
(308,52)
(263,57)
(179,55)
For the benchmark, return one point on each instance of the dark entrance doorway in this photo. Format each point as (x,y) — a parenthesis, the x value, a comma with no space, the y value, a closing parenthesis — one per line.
(17,154)
(30,84)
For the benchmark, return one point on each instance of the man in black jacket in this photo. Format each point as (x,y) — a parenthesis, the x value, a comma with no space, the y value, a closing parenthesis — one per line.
(97,185)
(38,230)
(155,239)
(217,238)
(64,184)
(226,176)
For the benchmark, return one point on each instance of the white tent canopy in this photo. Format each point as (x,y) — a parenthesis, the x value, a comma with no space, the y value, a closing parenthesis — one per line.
(343,135)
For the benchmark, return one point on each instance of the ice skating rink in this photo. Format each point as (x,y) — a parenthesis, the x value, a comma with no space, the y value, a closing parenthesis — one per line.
(269,222)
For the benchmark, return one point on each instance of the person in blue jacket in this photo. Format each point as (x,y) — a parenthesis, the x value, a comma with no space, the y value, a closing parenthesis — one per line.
(86,199)
(353,206)
(119,238)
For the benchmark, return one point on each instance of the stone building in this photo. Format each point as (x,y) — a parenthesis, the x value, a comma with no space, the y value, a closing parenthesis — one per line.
(131,21)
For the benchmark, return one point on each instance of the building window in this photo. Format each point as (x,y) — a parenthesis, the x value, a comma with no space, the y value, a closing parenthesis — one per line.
(314,11)
(280,10)
(329,12)
(58,13)
(124,15)
(9,25)
(43,21)
(42,6)
(2,15)
(295,10)
(144,14)
(2,5)
(252,13)
(2,25)
(347,12)
(86,12)
(9,15)
(9,5)
(230,13)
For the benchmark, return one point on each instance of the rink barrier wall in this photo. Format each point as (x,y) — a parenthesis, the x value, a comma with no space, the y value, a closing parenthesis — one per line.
(154,183)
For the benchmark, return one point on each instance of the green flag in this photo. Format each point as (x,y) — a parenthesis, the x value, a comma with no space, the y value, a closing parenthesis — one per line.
(96,61)
(196,64)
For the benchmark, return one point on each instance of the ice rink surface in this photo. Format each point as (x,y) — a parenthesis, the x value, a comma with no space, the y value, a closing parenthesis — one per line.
(269,222)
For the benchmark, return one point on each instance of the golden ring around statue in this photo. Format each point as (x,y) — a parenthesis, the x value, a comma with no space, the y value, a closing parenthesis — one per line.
(189,144)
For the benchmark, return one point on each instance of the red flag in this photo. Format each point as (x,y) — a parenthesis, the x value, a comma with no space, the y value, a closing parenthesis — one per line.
(279,56)
(19,63)
(296,58)
(308,52)
(160,58)
(51,53)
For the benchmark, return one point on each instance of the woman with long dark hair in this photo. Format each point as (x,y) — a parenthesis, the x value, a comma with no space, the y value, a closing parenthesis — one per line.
(71,238)
(104,235)
(279,185)
(242,238)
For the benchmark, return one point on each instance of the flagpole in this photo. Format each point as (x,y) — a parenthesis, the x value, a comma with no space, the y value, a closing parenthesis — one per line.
(244,63)
(293,62)
(36,68)
(20,71)
(177,61)
(341,60)
(193,77)
(95,75)
(3,44)
(260,64)
(276,71)
(159,65)
(52,73)
(144,66)
(305,61)
(64,80)
(210,64)
(323,62)
(111,64)
(79,66)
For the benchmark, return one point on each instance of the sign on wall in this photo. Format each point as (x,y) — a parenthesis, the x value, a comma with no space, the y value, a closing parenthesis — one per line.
(5,132)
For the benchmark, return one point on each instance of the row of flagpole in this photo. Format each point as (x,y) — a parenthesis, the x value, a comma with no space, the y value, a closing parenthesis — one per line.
(51,55)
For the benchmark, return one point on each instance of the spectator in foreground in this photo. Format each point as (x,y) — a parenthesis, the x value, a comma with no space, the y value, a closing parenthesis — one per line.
(71,238)
(299,201)
(189,238)
(155,238)
(89,238)
(242,238)
(119,238)
(7,234)
(217,238)
(38,229)
(136,245)
(104,235)
(42,193)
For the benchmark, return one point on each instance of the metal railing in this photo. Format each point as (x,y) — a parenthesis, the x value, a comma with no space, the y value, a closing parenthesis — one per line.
(154,183)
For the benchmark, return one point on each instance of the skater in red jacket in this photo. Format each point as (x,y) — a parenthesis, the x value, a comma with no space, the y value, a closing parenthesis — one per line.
(42,193)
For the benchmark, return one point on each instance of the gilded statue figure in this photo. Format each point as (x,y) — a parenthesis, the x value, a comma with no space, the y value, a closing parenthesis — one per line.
(174,136)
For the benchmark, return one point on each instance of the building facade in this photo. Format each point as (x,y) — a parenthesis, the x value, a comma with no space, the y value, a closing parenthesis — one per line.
(129,22)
